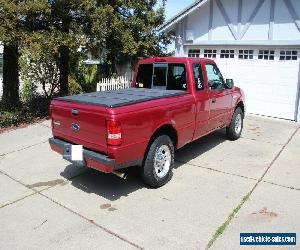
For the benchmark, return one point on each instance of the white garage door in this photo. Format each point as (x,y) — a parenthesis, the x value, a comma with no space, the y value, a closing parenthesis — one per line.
(270,86)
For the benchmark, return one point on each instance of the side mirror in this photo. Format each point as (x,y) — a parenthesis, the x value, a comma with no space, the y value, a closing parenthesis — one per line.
(229,83)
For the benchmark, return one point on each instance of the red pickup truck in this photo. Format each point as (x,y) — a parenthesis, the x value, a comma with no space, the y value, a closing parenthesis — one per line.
(172,102)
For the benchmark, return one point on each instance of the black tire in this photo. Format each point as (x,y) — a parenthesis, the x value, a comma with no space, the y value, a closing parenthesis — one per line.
(149,173)
(231,132)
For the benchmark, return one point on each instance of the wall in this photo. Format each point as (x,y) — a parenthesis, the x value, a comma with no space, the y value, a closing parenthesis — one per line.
(229,20)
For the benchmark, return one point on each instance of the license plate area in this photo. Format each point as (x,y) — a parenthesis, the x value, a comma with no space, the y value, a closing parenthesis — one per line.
(73,153)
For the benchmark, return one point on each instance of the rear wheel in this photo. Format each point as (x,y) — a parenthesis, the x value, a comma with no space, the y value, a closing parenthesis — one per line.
(159,161)
(234,130)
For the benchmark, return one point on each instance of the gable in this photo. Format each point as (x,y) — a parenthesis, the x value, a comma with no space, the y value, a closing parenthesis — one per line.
(238,21)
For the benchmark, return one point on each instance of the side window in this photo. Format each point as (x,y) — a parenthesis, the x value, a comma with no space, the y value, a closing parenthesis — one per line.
(197,71)
(144,76)
(214,77)
(176,77)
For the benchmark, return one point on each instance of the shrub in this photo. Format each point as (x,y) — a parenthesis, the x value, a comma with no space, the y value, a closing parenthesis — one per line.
(26,112)
(39,72)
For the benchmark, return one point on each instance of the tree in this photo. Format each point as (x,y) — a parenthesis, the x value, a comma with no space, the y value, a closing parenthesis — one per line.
(76,23)
(131,31)
(8,21)
(13,30)
(10,74)
(120,28)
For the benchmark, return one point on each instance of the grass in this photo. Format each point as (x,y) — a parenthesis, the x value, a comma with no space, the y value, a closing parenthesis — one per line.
(220,230)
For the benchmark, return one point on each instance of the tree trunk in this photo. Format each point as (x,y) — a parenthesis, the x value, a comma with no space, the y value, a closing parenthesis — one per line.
(11,74)
(110,60)
(64,56)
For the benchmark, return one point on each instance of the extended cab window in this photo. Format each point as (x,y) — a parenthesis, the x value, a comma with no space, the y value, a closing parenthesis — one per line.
(144,76)
(176,77)
(214,77)
(197,71)
(160,75)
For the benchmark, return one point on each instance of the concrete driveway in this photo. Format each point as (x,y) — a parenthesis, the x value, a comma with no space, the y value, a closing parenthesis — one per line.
(219,189)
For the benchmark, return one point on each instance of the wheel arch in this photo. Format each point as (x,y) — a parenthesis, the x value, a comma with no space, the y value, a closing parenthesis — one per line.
(166,129)
(241,105)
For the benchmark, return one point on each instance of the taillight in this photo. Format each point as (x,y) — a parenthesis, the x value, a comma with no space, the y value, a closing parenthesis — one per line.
(114,134)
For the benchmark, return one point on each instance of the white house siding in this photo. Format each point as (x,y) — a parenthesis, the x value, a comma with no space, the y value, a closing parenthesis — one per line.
(284,27)
(271,86)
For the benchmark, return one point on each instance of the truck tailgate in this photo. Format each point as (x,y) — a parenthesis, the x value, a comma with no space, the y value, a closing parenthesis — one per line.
(80,124)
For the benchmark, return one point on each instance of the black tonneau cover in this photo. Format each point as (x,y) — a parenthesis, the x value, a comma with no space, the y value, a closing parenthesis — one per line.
(122,97)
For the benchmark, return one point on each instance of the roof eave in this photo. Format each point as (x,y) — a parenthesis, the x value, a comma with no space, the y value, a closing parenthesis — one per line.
(169,24)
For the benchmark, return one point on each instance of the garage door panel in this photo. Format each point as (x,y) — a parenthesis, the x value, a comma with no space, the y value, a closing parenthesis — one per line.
(270,86)
(285,111)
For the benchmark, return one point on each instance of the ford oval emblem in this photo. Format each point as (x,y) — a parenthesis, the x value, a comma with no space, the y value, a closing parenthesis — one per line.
(75,127)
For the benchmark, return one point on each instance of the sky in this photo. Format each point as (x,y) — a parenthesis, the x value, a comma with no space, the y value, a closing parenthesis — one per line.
(175,6)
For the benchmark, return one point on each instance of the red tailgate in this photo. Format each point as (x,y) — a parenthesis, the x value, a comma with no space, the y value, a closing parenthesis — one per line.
(80,124)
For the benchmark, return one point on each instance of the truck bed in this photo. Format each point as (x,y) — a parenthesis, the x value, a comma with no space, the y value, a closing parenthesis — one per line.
(122,97)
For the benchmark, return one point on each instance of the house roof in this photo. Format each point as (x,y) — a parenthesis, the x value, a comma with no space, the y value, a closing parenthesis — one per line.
(169,24)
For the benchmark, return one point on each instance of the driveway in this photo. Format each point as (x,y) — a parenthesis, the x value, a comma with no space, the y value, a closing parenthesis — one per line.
(219,189)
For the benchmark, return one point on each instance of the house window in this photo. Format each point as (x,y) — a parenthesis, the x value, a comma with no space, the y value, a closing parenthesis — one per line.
(286,55)
(266,54)
(194,53)
(210,53)
(226,53)
(245,54)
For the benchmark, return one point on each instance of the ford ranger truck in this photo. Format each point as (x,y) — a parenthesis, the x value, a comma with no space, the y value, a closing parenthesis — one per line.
(173,101)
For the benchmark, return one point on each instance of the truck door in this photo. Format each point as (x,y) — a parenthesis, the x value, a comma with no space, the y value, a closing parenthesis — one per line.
(220,98)
(202,101)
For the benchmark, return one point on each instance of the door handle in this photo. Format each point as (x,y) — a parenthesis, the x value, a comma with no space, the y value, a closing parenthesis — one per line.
(213,100)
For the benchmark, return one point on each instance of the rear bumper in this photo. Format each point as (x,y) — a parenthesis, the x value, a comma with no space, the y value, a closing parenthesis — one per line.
(91,159)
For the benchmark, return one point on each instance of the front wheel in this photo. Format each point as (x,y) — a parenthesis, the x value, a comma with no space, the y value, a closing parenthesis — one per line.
(234,130)
(159,161)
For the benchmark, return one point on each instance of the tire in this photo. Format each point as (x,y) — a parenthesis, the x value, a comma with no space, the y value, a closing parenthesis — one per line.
(235,128)
(159,162)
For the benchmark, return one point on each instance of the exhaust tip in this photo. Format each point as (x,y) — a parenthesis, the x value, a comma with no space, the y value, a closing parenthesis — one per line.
(120,175)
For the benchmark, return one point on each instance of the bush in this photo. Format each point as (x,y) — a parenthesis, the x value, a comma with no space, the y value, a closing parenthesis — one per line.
(87,77)
(39,72)
(28,91)
(27,112)
(74,86)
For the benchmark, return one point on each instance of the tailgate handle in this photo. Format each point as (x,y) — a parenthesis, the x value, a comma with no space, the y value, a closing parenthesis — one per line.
(75,112)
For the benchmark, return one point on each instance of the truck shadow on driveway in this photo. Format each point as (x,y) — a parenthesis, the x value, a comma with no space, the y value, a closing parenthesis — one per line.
(112,187)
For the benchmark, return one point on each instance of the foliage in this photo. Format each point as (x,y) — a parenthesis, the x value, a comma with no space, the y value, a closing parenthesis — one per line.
(16,19)
(28,91)
(26,112)
(74,86)
(131,31)
(49,34)
(39,70)
(83,80)
(87,77)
